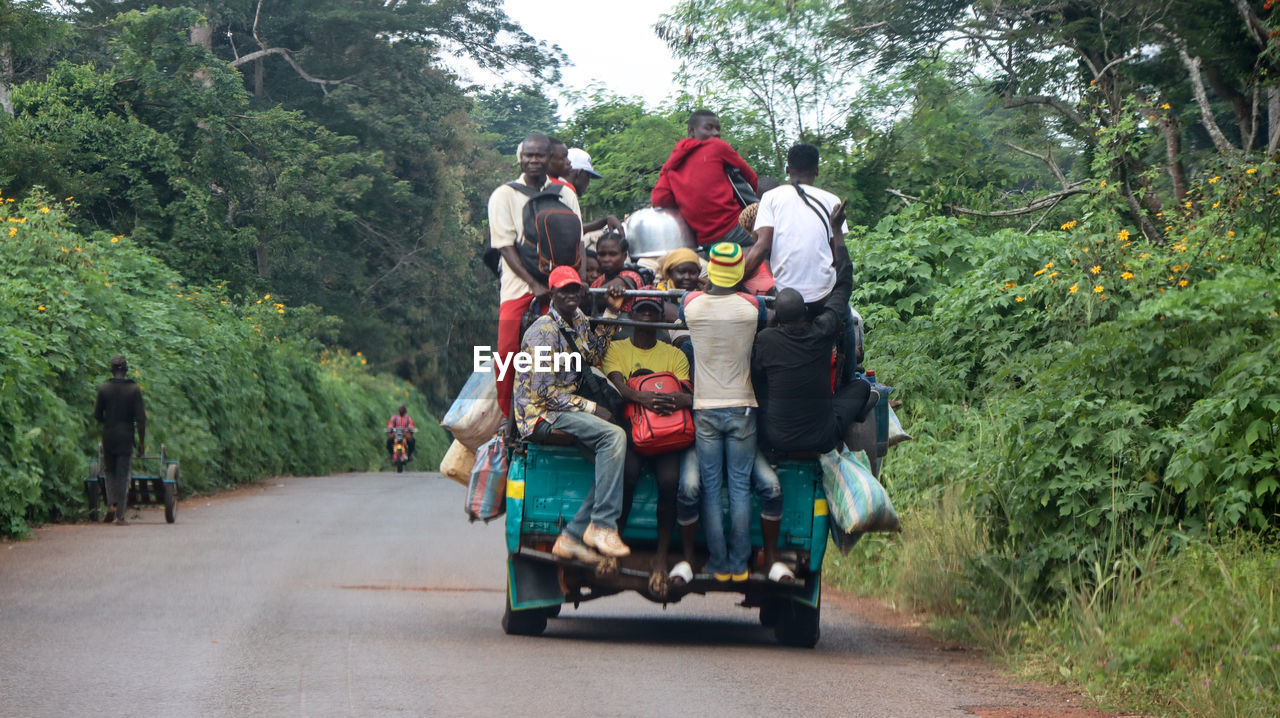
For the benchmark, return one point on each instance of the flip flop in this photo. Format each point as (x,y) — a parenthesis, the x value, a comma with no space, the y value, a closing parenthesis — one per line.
(681,572)
(780,573)
(658,584)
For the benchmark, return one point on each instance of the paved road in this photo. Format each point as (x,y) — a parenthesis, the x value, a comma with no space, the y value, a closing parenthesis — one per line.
(370,595)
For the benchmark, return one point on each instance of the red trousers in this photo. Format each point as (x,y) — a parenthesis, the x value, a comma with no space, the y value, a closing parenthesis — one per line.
(509,316)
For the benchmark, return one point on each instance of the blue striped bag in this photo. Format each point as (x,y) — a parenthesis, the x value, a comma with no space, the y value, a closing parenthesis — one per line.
(856,501)
(487,490)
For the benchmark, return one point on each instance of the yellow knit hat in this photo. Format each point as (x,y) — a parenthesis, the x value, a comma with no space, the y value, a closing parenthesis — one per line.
(726,264)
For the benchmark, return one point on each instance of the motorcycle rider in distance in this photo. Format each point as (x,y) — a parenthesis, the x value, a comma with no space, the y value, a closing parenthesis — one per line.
(401,420)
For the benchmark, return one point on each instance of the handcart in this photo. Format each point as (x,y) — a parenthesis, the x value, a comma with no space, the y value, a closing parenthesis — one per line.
(145,489)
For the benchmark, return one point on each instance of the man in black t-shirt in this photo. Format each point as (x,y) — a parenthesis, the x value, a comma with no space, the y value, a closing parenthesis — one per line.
(791,370)
(119,409)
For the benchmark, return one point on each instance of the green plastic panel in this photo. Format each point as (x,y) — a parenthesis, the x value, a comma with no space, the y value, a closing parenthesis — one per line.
(557,479)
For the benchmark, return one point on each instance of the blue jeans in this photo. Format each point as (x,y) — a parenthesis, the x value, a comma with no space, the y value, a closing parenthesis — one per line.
(603,504)
(726,446)
(764,481)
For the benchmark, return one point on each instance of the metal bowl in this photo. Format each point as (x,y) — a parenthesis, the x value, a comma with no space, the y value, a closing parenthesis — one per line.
(655,231)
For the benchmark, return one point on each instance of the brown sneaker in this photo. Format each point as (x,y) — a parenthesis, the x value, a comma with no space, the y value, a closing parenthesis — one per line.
(571,548)
(606,541)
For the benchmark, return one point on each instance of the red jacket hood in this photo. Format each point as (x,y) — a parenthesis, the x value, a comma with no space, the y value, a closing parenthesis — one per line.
(683,149)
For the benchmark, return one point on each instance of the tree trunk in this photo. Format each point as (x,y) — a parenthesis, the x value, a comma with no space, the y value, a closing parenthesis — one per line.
(6,78)
(1173,148)
(1240,104)
(1273,119)
(202,35)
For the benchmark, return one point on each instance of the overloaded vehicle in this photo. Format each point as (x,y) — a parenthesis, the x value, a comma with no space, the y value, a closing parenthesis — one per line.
(547,479)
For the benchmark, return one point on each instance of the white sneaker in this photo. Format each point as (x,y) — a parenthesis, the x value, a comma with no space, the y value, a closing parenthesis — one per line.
(571,548)
(606,541)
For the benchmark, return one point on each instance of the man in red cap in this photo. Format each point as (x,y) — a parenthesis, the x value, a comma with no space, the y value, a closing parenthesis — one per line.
(547,396)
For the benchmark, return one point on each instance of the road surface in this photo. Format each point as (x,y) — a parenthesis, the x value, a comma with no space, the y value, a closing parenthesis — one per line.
(371,595)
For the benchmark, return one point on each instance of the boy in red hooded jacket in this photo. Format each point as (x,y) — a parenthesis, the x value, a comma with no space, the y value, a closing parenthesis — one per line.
(693,181)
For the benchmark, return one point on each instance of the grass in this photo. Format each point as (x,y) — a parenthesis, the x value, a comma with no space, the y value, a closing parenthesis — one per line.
(1171,625)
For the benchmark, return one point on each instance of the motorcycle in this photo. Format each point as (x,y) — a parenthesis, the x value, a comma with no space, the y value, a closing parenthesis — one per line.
(400,448)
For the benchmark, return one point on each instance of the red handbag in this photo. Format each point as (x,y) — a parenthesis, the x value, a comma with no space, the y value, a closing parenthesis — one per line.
(651,432)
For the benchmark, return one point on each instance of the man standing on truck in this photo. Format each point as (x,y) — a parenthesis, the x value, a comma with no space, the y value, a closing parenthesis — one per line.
(629,358)
(120,411)
(518,288)
(548,399)
(722,323)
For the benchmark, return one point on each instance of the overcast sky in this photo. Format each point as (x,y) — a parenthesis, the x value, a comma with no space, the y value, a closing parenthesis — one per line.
(609,41)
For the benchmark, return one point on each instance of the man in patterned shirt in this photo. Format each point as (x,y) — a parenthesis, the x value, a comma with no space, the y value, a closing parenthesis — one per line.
(546,399)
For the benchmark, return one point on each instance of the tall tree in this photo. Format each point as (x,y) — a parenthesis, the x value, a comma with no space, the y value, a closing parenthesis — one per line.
(773,55)
(28,35)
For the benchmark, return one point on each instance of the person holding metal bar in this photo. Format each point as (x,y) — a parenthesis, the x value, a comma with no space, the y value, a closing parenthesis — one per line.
(723,323)
(677,488)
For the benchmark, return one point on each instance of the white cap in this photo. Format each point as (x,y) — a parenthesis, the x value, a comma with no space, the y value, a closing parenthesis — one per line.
(580,160)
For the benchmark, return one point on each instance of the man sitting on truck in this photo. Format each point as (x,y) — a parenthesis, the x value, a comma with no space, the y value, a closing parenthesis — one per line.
(545,399)
(628,358)
(791,369)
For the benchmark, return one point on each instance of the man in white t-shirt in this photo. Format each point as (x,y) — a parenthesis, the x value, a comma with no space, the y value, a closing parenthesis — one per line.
(800,230)
(506,232)
(797,229)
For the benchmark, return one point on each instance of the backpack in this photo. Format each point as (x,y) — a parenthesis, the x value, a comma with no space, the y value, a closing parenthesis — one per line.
(552,232)
(651,432)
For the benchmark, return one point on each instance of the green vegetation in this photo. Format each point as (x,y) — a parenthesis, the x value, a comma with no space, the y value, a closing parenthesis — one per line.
(237,390)
(1096,423)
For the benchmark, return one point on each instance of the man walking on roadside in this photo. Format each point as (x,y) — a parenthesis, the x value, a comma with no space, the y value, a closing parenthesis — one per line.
(119,409)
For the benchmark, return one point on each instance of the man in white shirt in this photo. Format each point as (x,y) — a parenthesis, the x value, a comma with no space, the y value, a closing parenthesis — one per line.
(800,230)
(797,229)
(518,288)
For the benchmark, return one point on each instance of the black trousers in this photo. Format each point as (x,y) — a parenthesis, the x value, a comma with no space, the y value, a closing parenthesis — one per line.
(118,470)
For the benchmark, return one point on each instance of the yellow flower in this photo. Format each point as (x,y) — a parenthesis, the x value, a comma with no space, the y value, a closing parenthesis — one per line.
(44,210)
(1251,170)
(279,311)
(115,239)
(1040,271)
(1019,299)
(1103,184)
(1214,180)
(13,231)
(1187,204)
(268,297)
(1231,233)
(1048,265)
(1123,235)
(1182,283)
(1165,106)
(69,198)
(1099,289)
(1179,247)
(1095,269)
(1052,275)
(1144,255)
(1126,276)
(1215,205)
(1168,228)
(1070,225)
(1074,287)
(106,284)
(40,308)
